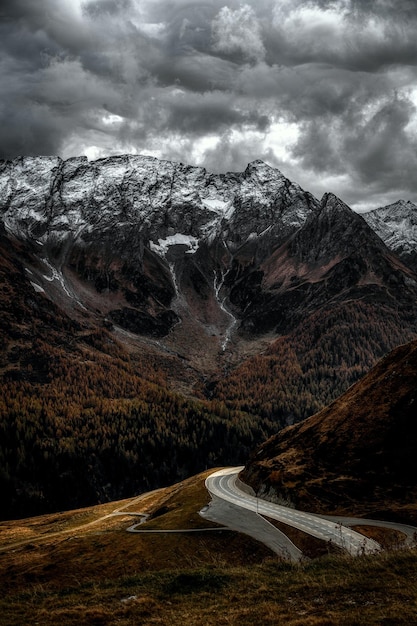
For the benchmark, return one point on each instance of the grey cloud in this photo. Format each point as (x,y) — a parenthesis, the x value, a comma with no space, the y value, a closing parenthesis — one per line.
(198,73)
(163,75)
(386,8)
(343,34)
(97,8)
(316,149)
(23,10)
(28,129)
(382,150)
(376,153)
(238,31)
(189,28)
(233,156)
(208,113)
(35,30)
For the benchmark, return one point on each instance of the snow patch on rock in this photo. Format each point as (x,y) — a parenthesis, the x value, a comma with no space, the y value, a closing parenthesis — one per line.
(37,287)
(396,225)
(179,239)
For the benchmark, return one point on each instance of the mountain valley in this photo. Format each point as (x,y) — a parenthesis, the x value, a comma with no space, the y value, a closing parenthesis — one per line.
(157,319)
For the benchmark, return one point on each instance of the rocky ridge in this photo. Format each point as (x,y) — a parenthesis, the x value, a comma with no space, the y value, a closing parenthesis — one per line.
(161,248)
(332,256)
(396,224)
(238,298)
(145,232)
(45,197)
(153,245)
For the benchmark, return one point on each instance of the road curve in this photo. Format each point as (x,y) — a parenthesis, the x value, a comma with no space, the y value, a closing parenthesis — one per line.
(222,484)
(409,532)
(256,526)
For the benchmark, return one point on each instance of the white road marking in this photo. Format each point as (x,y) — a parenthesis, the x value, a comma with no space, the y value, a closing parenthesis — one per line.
(223,485)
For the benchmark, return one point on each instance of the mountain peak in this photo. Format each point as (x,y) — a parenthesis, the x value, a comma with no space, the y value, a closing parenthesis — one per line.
(396,225)
(400,207)
(56,198)
(259,167)
(258,164)
(331,203)
(334,229)
(399,212)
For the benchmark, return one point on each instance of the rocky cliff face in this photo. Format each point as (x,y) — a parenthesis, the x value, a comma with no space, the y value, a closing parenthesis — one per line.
(151,241)
(46,198)
(153,245)
(161,248)
(332,257)
(239,292)
(396,224)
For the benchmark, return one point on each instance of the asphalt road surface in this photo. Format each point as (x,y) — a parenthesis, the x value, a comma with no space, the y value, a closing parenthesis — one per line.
(223,485)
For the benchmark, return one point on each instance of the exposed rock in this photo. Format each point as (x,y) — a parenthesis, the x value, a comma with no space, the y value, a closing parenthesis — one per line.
(333,255)
(131,226)
(396,224)
(45,196)
(238,288)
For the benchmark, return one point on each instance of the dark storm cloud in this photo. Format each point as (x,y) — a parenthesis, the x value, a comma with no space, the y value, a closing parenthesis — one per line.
(209,113)
(216,82)
(195,72)
(342,35)
(382,145)
(106,7)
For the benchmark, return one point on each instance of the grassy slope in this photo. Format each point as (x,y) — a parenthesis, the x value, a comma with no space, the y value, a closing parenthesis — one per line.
(102,575)
(356,456)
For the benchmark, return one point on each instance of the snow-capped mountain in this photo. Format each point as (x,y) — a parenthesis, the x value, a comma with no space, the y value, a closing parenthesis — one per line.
(151,231)
(396,224)
(239,291)
(162,248)
(169,203)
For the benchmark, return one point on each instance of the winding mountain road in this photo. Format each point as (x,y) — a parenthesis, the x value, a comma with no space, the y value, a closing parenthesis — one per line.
(409,532)
(224,485)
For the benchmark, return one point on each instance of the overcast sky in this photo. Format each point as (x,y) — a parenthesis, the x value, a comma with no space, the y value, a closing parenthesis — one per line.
(324,90)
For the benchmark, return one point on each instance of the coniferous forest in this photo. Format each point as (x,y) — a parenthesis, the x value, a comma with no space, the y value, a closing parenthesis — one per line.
(83,421)
(92,409)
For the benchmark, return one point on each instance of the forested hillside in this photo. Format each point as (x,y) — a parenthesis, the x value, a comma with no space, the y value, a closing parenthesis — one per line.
(151,330)
(357,455)
(303,371)
(87,427)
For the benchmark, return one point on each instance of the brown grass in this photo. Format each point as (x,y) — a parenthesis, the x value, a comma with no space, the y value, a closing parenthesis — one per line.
(103,575)
(388,538)
(310,546)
